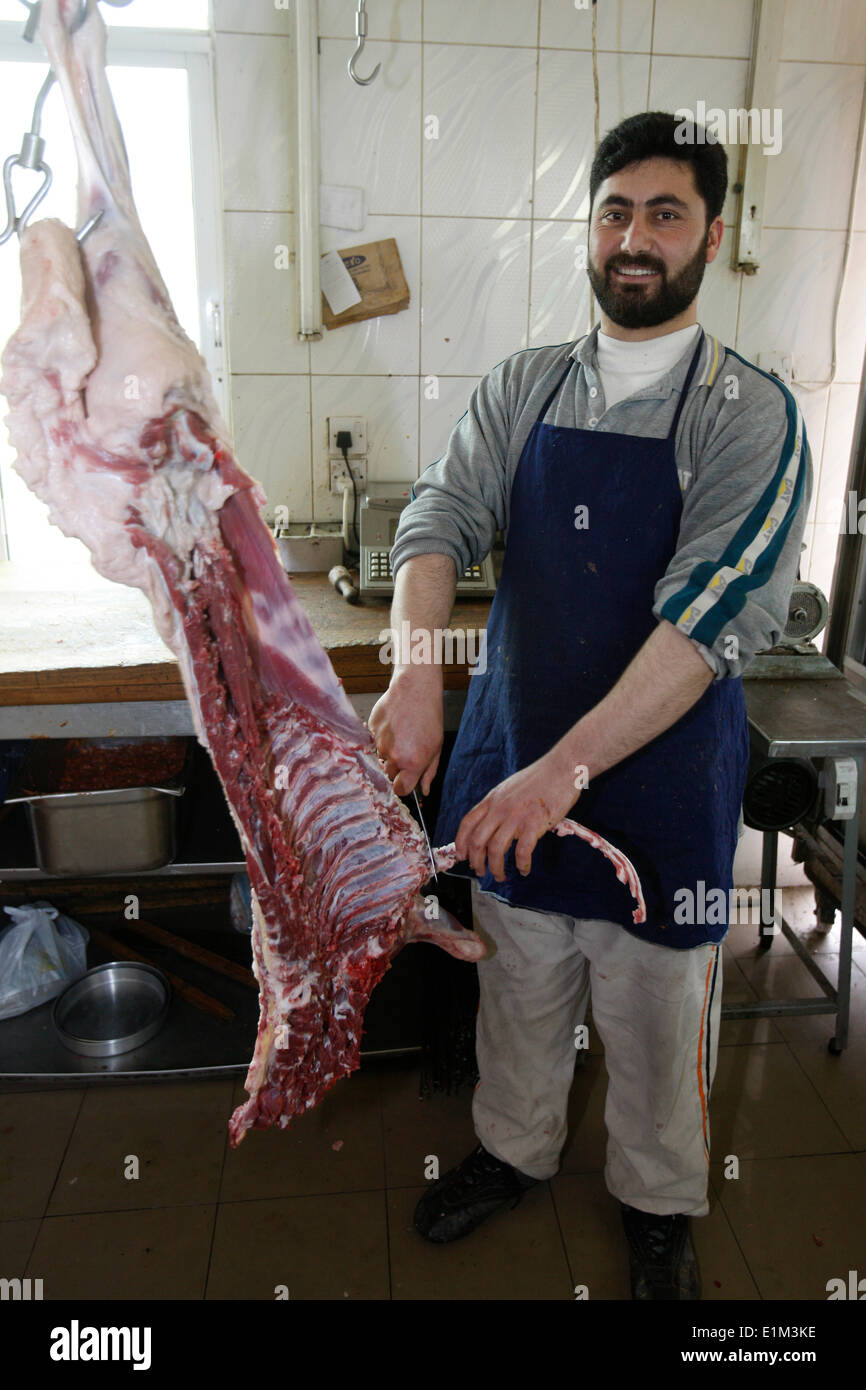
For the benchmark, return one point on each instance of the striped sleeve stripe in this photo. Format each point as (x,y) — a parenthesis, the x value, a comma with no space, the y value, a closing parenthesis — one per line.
(716,591)
(705,1048)
(712,362)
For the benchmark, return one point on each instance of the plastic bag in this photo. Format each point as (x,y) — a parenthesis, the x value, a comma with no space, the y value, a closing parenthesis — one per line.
(39,955)
(240,903)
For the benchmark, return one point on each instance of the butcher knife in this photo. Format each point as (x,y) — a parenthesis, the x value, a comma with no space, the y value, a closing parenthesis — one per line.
(426,836)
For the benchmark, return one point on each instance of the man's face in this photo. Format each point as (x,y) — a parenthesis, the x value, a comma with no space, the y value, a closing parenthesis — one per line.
(649,243)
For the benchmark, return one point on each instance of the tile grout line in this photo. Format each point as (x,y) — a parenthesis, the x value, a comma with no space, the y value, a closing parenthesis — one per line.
(216,1212)
(386,1186)
(720,1204)
(199,1202)
(418,470)
(562,48)
(72,1129)
(562,1239)
(650,56)
(518,217)
(44,1216)
(533,170)
(765,1158)
(819,1093)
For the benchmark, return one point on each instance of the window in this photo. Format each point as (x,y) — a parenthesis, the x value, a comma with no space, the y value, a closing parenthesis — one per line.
(141,14)
(162,89)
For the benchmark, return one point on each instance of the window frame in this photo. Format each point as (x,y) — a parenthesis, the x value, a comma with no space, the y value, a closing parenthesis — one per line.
(192,50)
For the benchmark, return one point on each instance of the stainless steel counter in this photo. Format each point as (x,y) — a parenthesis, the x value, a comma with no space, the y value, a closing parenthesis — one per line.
(811,717)
(807,718)
(147,718)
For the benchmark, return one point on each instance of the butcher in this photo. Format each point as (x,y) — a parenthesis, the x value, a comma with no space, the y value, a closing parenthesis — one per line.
(652,486)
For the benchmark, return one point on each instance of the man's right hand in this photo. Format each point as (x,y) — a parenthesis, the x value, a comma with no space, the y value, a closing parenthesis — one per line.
(407,726)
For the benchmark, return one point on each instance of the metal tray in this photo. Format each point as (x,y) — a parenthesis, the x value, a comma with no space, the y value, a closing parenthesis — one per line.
(112,1009)
(123,830)
(110,831)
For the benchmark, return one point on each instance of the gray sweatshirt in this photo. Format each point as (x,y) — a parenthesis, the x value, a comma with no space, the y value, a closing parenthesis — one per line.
(745,472)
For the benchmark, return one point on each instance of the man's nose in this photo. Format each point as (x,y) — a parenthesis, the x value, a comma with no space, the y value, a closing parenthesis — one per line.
(637,236)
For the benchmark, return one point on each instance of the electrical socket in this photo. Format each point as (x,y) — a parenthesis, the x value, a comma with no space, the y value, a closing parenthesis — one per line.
(357,427)
(339,473)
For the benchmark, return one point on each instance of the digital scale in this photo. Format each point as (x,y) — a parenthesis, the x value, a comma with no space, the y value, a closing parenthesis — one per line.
(380,513)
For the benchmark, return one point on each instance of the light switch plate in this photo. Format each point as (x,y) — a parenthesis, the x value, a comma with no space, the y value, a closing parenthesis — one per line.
(341,207)
(778,364)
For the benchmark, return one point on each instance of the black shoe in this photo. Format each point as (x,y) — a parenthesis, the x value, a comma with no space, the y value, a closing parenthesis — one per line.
(661,1256)
(467,1195)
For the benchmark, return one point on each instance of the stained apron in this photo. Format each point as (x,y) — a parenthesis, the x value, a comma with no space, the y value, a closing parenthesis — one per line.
(572,608)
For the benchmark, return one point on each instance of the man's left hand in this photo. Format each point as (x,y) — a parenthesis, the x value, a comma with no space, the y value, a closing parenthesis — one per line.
(521,808)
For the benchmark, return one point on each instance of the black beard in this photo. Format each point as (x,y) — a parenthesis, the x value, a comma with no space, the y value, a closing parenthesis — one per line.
(639,309)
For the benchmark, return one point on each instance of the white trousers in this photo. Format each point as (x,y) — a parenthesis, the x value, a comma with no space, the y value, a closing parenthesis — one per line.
(657,1012)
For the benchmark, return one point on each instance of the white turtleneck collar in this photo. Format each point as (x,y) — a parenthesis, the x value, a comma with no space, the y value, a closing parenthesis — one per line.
(626,367)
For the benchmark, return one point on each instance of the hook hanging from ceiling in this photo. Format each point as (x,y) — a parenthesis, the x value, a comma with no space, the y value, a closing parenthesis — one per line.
(361,36)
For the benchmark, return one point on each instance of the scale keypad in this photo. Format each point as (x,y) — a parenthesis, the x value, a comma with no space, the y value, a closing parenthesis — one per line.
(380,568)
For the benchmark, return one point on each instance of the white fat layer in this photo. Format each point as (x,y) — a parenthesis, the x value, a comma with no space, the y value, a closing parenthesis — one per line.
(94,484)
(95,369)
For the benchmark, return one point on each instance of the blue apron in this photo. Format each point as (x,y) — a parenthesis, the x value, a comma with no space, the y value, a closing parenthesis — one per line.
(572,608)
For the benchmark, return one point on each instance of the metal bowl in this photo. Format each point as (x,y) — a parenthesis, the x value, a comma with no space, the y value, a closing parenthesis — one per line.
(112,1009)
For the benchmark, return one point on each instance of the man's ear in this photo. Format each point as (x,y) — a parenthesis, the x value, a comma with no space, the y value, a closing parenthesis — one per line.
(714,238)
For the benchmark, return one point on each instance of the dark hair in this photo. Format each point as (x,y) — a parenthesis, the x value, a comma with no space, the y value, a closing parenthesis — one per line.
(650,135)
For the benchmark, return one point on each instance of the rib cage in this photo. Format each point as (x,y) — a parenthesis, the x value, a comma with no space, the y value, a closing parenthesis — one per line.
(147,479)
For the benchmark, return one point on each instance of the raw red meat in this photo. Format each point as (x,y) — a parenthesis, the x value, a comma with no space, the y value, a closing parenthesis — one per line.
(117,429)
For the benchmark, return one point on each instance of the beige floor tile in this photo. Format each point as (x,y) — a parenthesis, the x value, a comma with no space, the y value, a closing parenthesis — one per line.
(513,1255)
(592,1230)
(762,1106)
(414,1130)
(840,1080)
(17,1239)
(743,941)
(586,1143)
(34,1131)
(799,1221)
(598,1252)
(819,942)
(333,1247)
(736,989)
(177,1132)
(595,1048)
(302,1160)
(777,975)
(441,1126)
(159,1254)
(798,909)
(724,1272)
(786,977)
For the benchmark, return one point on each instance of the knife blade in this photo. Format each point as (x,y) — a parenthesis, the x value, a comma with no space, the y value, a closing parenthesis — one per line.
(426,836)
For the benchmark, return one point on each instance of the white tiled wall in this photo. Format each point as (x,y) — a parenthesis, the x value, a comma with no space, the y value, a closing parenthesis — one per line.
(488,216)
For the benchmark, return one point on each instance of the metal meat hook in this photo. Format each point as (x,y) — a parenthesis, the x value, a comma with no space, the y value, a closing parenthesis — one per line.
(30,157)
(32,144)
(361,36)
(35,6)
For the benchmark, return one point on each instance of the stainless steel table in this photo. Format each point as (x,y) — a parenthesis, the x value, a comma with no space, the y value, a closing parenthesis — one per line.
(810,717)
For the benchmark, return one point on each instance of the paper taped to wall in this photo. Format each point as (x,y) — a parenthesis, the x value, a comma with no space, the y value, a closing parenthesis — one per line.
(338,287)
(377,274)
